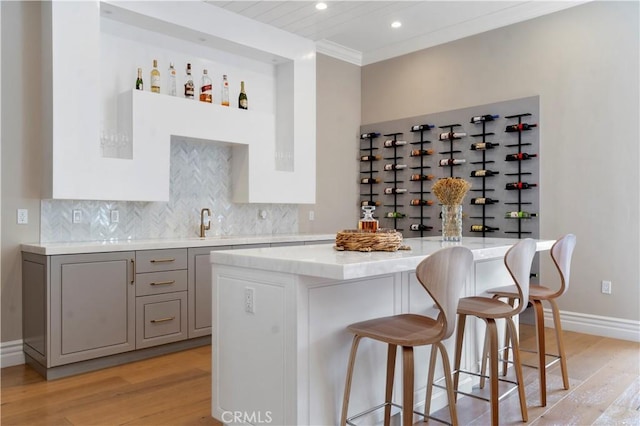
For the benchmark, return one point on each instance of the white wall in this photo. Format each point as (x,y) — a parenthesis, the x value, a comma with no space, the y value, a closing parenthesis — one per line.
(584,64)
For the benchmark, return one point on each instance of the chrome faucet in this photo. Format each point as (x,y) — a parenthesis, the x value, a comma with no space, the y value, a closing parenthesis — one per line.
(204,227)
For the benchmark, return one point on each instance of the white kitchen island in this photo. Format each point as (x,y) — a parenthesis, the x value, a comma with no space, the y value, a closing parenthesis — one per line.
(280,345)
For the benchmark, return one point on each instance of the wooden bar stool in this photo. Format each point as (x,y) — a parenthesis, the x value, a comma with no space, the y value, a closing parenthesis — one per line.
(442,274)
(561,253)
(518,260)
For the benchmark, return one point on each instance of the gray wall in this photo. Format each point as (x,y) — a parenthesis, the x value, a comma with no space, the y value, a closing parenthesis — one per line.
(583,62)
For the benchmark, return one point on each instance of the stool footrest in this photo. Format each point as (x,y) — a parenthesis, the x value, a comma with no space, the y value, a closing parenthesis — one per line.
(393,404)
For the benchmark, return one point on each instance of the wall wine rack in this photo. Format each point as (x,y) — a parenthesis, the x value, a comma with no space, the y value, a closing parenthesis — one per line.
(418,199)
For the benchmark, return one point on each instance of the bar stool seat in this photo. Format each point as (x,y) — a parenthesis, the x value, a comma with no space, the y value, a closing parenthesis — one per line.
(400,330)
(488,308)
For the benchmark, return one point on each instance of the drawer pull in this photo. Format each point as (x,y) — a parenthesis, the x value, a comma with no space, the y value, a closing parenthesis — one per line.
(162,260)
(163,282)
(162,320)
(133,271)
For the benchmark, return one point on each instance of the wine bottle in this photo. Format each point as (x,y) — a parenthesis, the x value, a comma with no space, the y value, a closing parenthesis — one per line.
(519,156)
(206,90)
(243,101)
(451,161)
(479,146)
(519,127)
(451,135)
(483,173)
(395,190)
(419,202)
(419,127)
(420,227)
(171,82)
(483,201)
(389,167)
(369,203)
(370,180)
(395,215)
(370,158)
(420,152)
(189,87)
(519,185)
(418,177)
(369,135)
(481,118)
(520,214)
(481,228)
(155,77)
(225,91)
(391,143)
(139,83)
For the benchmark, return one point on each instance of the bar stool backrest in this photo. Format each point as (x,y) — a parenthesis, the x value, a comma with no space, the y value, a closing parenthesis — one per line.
(561,253)
(443,274)
(518,260)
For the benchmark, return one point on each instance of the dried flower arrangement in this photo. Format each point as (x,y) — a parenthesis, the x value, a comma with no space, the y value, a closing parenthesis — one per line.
(450,191)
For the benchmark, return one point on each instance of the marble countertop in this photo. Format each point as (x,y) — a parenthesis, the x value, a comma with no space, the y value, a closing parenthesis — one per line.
(324,261)
(154,244)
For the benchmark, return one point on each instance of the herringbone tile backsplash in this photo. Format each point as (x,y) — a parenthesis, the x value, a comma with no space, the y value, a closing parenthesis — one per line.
(200,177)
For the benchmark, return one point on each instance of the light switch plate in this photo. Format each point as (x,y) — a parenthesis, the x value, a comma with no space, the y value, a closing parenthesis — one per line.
(77,216)
(115,216)
(22,216)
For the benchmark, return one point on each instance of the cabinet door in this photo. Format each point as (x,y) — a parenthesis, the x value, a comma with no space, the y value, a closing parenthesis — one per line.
(92,306)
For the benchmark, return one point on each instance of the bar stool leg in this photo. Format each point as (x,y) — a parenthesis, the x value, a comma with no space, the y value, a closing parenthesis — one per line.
(517,365)
(430,377)
(391,368)
(347,386)
(542,362)
(492,332)
(407,386)
(484,359)
(458,355)
(505,354)
(446,366)
(558,327)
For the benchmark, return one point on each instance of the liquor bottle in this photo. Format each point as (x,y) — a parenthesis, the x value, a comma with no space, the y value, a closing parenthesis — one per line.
(369,203)
(395,215)
(243,102)
(519,156)
(519,215)
(419,127)
(369,135)
(519,185)
(370,180)
(368,223)
(206,90)
(388,167)
(420,227)
(451,135)
(483,201)
(451,161)
(519,127)
(419,202)
(481,228)
(479,146)
(481,118)
(189,87)
(155,77)
(421,152)
(483,173)
(395,190)
(171,83)
(370,158)
(139,83)
(225,91)
(391,143)
(418,177)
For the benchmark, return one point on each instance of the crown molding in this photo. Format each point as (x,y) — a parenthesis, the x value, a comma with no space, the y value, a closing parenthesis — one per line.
(339,51)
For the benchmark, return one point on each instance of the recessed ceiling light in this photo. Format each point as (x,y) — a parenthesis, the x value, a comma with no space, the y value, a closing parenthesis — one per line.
(321,6)
(396,24)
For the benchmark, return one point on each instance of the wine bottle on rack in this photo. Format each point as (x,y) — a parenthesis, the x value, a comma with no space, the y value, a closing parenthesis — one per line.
(451,161)
(419,202)
(519,127)
(481,118)
(370,180)
(451,135)
(389,167)
(395,190)
(369,203)
(420,227)
(483,228)
(519,215)
(483,201)
(519,185)
(419,127)
(420,152)
(483,173)
(371,158)
(395,215)
(391,143)
(480,146)
(369,135)
(519,156)
(419,177)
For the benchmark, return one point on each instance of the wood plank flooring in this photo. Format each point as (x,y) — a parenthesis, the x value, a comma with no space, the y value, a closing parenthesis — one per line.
(175,389)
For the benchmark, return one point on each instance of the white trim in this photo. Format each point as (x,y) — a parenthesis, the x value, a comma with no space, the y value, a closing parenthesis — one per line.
(11,353)
(615,328)
(339,51)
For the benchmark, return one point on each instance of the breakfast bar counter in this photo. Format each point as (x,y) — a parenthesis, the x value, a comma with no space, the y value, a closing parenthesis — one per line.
(280,345)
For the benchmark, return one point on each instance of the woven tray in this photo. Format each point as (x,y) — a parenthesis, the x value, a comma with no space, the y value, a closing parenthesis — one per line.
(383,240)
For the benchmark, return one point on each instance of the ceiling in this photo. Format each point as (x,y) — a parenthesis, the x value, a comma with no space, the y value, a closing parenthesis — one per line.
(360,31)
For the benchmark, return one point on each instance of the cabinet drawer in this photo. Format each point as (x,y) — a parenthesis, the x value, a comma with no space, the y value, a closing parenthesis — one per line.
(160,319)
(161,260)
(161,282)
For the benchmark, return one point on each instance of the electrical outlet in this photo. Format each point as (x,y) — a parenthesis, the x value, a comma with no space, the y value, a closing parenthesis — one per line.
(115,216)
(22,216)
(249,300)
(77,216)
(606,287)
(312,215)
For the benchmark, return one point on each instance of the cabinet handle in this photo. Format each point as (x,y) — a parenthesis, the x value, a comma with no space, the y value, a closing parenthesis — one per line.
(162,260)
(163,282)
(133,271)
(162,320)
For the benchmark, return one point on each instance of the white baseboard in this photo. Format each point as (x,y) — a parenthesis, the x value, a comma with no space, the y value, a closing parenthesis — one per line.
(11,353)
(615,328)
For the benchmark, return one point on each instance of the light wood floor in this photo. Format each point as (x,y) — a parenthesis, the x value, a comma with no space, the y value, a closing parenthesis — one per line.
(175,390)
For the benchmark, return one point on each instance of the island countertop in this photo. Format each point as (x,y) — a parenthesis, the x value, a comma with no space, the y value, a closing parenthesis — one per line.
(324,261)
